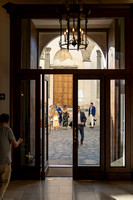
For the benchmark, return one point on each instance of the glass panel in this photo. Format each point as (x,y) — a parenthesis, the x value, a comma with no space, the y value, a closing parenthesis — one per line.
(117,123)
(116,44)
(28,122)
(28,45)
(43,111)
(89,135)
(45,124)
(41,118)
(105,50)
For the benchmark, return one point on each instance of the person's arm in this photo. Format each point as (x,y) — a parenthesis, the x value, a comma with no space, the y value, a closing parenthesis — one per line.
(83,118)
(89,112)
(94,111)
(15,143)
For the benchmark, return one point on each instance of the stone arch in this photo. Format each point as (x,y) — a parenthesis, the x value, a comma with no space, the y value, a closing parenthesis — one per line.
(81,55)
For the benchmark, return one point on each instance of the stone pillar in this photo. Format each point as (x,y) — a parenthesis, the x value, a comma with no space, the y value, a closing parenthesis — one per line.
(47,58)
(98,59)
(97,101)
(98,67)
(42,60)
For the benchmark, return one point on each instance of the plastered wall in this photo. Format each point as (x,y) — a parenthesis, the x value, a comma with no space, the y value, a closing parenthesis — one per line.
(4,60)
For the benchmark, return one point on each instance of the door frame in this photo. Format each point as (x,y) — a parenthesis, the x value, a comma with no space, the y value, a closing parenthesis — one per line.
(89,172)
(103,172)
(17,12)
(45,166)
(119,173)
(27,172)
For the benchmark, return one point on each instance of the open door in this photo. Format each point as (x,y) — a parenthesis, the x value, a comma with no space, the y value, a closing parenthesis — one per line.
(88,128)
(43,125)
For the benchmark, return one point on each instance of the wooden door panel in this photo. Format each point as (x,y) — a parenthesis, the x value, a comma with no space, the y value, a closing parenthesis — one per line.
(62,89)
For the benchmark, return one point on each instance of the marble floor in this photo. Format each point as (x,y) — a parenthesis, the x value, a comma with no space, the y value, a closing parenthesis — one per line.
(67,189)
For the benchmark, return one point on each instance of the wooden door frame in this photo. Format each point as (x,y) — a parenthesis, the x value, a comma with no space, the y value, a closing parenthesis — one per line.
(44,168)
(89,172)
(19,11)
(119,173)
(22,171)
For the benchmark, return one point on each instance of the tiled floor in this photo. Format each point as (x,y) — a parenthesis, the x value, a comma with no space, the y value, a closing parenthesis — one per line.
(60,147)
(67,189)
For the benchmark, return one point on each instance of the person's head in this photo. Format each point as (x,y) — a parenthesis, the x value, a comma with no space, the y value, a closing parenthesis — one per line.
(56,112)
(91,104)
(78,108)
(4,118)
(64,107)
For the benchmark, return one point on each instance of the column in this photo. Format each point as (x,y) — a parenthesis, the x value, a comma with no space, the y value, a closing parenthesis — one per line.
(98,59)
(47,58)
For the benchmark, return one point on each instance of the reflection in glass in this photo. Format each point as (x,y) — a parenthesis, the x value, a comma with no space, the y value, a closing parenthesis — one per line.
(116,44)
(41,118)
(28,44)
(45,123)
(89,102)
(117,123)
(28,122)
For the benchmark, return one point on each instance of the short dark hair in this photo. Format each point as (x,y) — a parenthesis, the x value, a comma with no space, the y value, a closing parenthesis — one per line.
(4,118)
(92,103)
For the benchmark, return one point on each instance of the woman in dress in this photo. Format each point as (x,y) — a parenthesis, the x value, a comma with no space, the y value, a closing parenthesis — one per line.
(55,120)
(65,116)
(51,116)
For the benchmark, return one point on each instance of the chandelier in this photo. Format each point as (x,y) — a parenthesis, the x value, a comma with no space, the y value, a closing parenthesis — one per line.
(73,25)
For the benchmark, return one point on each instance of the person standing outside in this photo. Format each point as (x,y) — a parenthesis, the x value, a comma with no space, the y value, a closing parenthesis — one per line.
(81,123)
(59,110)
(55,120)
(91,114)
(65,116)
(6,140)
(51,116)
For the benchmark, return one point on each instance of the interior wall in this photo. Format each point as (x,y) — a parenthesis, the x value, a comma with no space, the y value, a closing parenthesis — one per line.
(4,60)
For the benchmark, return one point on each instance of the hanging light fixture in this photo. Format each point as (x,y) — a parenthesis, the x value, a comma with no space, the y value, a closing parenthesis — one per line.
(73,25)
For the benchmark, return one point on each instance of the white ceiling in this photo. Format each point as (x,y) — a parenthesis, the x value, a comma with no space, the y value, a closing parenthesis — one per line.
(54,23)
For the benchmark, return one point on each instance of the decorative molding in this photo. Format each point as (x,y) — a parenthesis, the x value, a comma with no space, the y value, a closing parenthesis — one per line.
(47,50)
(63,67)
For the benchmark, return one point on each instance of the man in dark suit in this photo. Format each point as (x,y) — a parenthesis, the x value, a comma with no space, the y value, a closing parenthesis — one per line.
(81,123)
(91,114)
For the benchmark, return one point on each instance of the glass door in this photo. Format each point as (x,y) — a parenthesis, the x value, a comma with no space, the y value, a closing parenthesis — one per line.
(118,128)
(43,125)
(89,136)
(28,118)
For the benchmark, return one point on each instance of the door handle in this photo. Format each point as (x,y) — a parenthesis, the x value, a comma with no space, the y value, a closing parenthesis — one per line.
(75,136)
